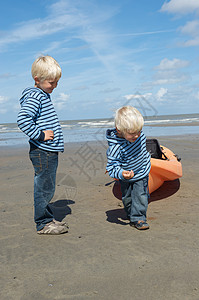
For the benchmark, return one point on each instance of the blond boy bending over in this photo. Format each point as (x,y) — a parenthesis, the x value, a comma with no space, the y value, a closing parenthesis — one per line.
(38,119)
(129,161)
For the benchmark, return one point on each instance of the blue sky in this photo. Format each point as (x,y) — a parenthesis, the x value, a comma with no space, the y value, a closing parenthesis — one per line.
(112,53)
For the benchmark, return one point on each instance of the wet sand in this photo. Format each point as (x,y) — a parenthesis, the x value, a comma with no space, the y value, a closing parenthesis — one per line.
(101,257)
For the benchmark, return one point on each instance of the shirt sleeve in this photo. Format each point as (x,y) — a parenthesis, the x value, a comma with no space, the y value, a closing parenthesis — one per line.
(114,162)
(27,117)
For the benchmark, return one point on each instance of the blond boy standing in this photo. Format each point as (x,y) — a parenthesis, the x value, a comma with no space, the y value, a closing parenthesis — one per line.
(38,120)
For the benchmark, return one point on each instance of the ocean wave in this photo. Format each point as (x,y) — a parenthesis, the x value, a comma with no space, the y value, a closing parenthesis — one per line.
(171,121)
(96,123)
(11,129)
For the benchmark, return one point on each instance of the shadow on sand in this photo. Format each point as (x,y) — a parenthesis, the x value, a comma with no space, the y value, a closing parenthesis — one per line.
(61,209)
(118,216)
(166,190)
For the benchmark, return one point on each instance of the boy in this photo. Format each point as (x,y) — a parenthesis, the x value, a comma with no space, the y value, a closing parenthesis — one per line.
(38,119)
(129,161)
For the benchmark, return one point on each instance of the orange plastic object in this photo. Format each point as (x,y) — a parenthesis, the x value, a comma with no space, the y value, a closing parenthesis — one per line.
(164,170)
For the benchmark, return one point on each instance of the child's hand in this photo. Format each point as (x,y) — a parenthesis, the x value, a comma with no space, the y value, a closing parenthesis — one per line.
(128,174)
(49,135)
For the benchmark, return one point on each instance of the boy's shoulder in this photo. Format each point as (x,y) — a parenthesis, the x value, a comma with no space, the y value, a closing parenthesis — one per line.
(33,91)
(33,95)
(113,139)
(111,135)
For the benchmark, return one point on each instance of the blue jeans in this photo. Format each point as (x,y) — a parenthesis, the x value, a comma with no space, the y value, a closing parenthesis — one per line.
(135,198)
(45,165)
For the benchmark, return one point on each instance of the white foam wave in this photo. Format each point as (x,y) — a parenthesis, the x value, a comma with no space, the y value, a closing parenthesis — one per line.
(96,124)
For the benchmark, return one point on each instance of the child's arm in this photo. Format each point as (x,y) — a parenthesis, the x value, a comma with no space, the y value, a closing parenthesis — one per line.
(114,164)
(26,123)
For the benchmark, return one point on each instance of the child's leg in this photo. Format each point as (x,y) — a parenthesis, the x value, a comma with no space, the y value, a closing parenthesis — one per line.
(126,196)
(139,195)
(45,165)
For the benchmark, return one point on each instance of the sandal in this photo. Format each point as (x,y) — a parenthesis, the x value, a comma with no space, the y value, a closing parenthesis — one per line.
(61,223)
(53,228)
(141,225)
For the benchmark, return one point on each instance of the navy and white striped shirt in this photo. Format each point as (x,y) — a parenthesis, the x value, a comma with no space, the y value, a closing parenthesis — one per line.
(38,114)
(124,155)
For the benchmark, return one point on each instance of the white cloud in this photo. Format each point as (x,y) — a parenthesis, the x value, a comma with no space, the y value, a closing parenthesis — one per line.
(53,46)
(170,80)
(193,42)
(61,100)
(169,71)
(146,33)
(161,93)
(63,97)
(38,28)
(63,16)
(85,21)
(191,28)
(137,96)
(181,6)
(175,63)
(142,102)
(3,99)
(185,7)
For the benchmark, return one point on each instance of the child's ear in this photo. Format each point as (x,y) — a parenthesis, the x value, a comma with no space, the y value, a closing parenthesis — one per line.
(36,80)
(118,131)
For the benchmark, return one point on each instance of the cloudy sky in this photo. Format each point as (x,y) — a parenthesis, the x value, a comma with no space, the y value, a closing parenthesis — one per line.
(112,53)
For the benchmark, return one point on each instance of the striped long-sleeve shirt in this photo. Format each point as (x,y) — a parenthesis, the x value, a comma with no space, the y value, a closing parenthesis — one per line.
(124,155)
(38,114)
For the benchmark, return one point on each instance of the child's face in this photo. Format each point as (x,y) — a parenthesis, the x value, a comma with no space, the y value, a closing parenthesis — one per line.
(47,85)
(129,136)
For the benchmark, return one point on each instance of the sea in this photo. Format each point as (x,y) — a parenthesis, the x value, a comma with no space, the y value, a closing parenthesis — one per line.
(95,129)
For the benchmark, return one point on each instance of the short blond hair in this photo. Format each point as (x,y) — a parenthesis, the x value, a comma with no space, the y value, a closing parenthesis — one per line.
(46,67)
(128,119)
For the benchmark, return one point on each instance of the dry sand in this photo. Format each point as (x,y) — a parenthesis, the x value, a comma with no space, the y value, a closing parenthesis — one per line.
(101,257)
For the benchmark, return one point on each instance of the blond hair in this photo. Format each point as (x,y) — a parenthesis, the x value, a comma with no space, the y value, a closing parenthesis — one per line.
(46,67)
(128,119)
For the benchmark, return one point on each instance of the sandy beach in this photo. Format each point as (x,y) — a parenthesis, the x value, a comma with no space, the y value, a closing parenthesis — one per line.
(101,257)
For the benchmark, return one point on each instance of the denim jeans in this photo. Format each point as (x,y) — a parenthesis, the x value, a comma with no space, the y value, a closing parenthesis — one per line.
(135,198)
(45,166)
